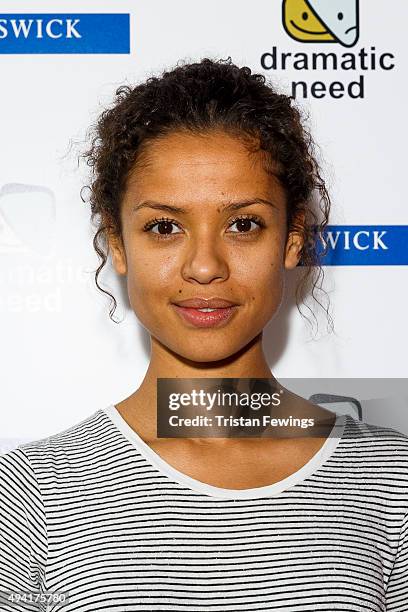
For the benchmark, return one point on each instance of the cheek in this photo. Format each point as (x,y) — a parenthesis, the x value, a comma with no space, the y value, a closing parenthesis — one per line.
(265,283)
(257,272)
(263,276)
(150,275)
(259,280)
(261,264)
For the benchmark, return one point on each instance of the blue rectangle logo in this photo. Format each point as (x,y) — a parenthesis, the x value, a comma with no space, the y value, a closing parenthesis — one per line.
(31,33)
(365,245)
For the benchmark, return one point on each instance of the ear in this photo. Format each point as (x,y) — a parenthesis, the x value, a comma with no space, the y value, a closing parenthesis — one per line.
(118,253)
(294,244)
(293,251)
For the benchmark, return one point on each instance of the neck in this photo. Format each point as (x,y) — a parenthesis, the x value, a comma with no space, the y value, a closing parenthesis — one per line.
(249,362)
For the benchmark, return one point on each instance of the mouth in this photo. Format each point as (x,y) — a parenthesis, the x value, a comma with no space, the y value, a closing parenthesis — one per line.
(205,317)
(320,33)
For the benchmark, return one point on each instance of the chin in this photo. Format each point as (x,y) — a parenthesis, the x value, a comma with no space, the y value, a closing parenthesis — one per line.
(202,354)
(207,352)
(200,357)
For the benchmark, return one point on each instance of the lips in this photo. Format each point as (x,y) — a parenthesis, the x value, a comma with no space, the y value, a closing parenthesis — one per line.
(214,302)
(191,311)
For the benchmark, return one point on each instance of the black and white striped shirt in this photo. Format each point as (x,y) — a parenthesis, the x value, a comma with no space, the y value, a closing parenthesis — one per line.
(94,514)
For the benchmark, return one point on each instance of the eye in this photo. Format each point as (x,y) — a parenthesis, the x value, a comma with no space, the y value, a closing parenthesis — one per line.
(244,224)
(340,16)
(305,16)
(164,226)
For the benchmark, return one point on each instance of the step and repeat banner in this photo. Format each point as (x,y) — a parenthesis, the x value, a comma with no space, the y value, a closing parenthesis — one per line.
(345,63)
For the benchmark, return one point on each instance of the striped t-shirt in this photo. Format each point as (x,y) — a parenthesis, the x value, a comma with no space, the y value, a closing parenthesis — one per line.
(93,515)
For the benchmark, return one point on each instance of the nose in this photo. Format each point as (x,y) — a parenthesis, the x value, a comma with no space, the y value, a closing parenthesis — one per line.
(205,258)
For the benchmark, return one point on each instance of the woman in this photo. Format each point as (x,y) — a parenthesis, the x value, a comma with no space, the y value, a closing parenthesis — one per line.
(203,183)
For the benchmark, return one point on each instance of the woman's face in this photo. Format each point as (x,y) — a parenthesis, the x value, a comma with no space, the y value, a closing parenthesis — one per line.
(196,248)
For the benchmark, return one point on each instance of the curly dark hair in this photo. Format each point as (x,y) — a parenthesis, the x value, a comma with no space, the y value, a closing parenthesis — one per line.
(198,97)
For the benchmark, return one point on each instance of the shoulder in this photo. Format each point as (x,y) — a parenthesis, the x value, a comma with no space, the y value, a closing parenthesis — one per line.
(376,452)
(375,437)
(61,451)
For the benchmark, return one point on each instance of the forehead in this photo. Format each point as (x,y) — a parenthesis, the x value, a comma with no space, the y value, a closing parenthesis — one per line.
(209,164)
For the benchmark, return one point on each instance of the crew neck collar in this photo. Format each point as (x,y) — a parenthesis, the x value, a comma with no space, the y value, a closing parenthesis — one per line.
(294,479)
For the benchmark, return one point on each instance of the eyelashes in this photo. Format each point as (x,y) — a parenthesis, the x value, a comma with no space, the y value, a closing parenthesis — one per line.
(166,236)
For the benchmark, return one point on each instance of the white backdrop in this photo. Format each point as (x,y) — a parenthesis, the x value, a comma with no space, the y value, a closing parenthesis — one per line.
(62,358)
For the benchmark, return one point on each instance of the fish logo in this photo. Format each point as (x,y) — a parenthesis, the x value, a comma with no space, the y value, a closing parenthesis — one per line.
(27,219)
(328,21)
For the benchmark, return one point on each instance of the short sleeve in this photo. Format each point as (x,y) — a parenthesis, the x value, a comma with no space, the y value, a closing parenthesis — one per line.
(397,588)
(23,535)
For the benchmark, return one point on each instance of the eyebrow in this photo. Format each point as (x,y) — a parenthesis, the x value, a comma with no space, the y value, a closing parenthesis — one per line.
(225,207)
